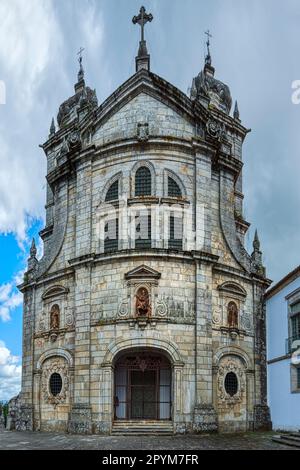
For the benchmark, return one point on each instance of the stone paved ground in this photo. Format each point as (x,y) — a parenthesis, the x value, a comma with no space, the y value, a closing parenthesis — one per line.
(30,440)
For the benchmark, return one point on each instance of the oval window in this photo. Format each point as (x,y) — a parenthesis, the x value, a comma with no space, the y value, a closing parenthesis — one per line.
(55,384)
(231,384)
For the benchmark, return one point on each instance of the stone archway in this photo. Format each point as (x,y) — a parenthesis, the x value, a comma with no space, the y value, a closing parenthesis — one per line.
(166,350)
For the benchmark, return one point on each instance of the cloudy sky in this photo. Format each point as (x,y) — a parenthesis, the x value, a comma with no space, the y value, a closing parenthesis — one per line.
(255,50)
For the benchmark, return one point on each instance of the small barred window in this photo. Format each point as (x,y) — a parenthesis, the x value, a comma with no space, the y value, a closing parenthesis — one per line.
(143,182)
(173,188)
(231,384)
(55,384)
(111,235)
(175,233)
(143,231)
(113,192)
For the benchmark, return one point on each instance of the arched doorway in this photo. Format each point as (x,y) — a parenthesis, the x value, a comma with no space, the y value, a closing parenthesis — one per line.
(142,386)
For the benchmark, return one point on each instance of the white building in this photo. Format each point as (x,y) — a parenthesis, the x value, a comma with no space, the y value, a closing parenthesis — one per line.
(283,347)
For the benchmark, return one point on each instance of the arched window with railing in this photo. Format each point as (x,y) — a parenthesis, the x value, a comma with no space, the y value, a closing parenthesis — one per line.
(143,182)
(112,192)
(173,188)
(111,227)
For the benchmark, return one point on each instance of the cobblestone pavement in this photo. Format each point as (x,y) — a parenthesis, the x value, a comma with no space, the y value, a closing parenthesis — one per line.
(37,440)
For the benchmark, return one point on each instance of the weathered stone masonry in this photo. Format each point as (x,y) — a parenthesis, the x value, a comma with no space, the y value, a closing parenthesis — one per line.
(217,362)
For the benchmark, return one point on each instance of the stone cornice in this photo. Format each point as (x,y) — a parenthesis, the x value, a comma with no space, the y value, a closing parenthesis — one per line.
(47,278)
(231,271)
(205,257)
(238,273)
(68,165)
(155,142)
(241,224)
(151,253)
(228,163)
(156,86)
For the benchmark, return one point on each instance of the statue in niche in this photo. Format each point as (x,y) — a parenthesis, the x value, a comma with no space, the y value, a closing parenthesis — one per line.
(232,315)
(143,308)
(54,317)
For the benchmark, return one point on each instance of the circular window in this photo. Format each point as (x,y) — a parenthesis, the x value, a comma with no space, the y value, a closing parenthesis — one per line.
(55,384)
(231,384)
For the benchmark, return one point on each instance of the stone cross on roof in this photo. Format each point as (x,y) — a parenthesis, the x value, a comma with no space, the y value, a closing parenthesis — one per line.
(142,19)
(142,60)
(81,71)
(208,57)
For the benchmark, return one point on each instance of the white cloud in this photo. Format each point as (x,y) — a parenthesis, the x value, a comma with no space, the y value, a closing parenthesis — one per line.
(92,28)
(37,39)
(10,297)
(28,36)
(10,373)
(30,40)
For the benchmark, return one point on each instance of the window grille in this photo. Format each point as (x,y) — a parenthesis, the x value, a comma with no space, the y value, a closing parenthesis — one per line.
(143,231)
(173,188)
(113,192)
(231,384)
(111,235)
(298,377)
(175,233)
(55,384)
(143,182)
(295,322)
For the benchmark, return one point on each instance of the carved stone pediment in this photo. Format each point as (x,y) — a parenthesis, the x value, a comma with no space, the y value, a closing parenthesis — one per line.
(233,288)
(142,272)
(55,291)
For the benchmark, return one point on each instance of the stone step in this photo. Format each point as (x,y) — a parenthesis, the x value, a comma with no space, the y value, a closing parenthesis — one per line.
(287,440)
(144,427)
(295,434)
(141,423)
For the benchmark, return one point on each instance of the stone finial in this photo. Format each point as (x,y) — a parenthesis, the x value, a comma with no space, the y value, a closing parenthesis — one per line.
(256,242)
(80,85)
(52,128)
(142,61)
(236,112)
(256,256)
(32,260)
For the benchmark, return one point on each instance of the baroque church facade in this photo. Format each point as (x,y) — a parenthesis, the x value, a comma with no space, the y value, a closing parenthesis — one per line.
(145,309)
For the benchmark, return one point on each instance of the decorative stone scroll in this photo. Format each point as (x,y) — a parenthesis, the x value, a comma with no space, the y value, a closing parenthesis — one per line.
(55,365)
(123,308)
(69,318)
(230,365)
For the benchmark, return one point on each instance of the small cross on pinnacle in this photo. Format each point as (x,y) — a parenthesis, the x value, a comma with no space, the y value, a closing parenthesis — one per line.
(208,57)
(79,53)
(81,71)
